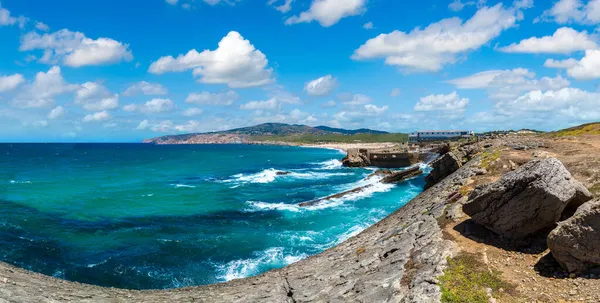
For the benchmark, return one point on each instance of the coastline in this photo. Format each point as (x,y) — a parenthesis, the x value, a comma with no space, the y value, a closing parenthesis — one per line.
(379,253)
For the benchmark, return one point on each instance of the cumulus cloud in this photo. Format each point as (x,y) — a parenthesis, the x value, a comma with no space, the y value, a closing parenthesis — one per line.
(97,117)
(74,49)
(573,11)
(271,104)
(93,96)
(235,62)
(7,19)
(368,25)
(44,88)
(145,88)
(329,12)
(354,99)
(9,83)
(322,86)
(440,43)
(358,114)
(566,63)
(194,111)
(42,26)
(207,98)
(572,103)
(284,7)
(329,104)
(564,41)
(585,69)
(153,106)
(56,113)
(508,84)
(450,103)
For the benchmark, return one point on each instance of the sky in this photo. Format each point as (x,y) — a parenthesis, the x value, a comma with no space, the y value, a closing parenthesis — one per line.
(123,71)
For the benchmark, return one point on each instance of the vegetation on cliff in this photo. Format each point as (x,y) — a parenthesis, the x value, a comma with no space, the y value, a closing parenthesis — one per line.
(585,129)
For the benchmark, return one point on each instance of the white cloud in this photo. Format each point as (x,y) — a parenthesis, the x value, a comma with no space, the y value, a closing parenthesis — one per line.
(97,117)
(143,125)
(152,107)
(74,49)
(368,25)
(322,86)
(42,26)
(172,2)
(554,105)
(573,11)
(40,123)
(207,98)
(6,18)
(358,114)
(585,69)
(508,84)
(145,88)
(450,102)
(564,41)
(354,99)
(42,91)
(93,96)
(9,83)
(191,112)
(458,5)
(271,104)
(567,63)
(329,12)
(285,7)
(56,113)
(235,62)
(440,43)
(395,92)
(371,109)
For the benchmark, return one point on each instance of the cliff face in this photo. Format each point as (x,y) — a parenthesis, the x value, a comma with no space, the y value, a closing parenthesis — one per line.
(395,260)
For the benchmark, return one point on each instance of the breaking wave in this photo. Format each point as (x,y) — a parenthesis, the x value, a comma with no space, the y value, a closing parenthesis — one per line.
(273,257)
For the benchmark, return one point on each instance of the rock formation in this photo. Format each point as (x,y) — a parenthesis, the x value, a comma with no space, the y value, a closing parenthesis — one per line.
(355,158)
(575,243)
(442,167)
(526,200)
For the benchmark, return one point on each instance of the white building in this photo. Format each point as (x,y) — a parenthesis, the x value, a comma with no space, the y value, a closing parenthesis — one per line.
(439,135)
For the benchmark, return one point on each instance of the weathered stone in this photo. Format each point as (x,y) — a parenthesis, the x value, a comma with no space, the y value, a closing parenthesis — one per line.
(442,167)
(575,243)
(355,158)
(526,200)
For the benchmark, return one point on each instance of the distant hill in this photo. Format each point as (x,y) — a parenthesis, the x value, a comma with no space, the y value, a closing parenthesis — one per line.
(261,132)
(584,129)
(351,131)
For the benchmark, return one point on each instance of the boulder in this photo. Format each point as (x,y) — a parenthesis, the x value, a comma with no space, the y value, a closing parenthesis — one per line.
(443,166)
(526,200)
(575,243)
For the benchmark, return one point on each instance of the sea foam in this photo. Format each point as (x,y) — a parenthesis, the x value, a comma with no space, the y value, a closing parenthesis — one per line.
(270,258)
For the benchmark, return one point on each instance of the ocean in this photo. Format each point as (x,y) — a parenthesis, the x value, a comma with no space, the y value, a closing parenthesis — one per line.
(142,216)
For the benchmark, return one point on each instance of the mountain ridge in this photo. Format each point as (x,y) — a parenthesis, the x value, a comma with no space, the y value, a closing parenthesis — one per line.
(250,133)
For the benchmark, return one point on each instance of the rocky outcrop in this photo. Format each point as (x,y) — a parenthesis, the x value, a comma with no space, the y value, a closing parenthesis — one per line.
(389,176)
(395,260)
(355,158)
(526,200)
(442,167)
(575,243)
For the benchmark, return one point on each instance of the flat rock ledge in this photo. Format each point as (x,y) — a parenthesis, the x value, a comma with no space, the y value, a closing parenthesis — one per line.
(395,260)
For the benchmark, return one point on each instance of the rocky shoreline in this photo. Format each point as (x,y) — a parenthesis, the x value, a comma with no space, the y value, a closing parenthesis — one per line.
(403,257)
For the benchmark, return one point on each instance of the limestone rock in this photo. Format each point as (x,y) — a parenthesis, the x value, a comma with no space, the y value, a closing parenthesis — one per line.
(526,200)
(355,159)
(575,243)
(443,166)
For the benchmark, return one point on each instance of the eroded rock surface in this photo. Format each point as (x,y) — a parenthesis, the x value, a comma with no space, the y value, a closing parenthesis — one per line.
(575,243)
(526,200)
(442,167)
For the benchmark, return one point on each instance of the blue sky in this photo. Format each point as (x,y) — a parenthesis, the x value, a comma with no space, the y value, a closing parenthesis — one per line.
(123,71)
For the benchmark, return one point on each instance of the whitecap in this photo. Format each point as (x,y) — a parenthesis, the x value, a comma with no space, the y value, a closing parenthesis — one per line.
(269,258)
(19,182)
(258,205)
(330,164)
(269,175)
(183,186)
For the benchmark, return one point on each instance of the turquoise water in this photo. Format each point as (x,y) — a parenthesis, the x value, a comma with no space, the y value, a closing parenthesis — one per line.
(148,217)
